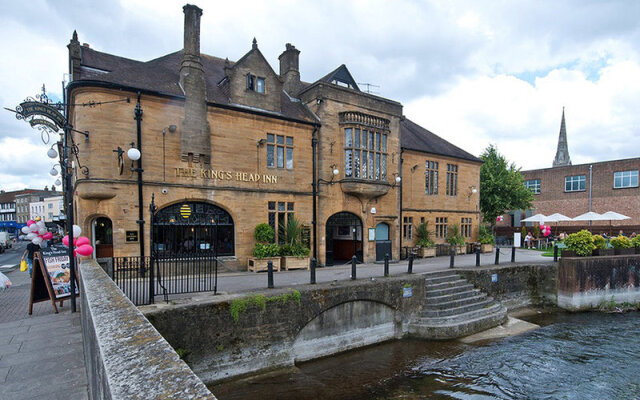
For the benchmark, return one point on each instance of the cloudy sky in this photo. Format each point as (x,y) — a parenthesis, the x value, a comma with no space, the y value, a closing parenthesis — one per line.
(474,72)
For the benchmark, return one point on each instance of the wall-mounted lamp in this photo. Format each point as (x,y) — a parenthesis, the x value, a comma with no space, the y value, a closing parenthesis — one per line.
(133,154)
(334,172)
(54,171)
(396,180)
(261,142)
(52,153)
(472,191)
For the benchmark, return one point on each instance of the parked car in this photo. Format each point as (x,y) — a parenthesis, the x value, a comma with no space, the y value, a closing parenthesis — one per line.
(5,240)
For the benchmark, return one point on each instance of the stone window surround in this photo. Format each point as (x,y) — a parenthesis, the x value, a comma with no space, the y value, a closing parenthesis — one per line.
(275,144)
(253,83)
(452,180)
(279,213)
(407,228)
(431,178)
(441,227)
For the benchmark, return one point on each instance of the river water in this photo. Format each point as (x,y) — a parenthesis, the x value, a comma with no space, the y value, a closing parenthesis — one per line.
(572,356)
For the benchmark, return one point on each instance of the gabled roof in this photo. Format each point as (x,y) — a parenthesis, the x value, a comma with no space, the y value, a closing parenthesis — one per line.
(341,74)
(415,137)
(161,75)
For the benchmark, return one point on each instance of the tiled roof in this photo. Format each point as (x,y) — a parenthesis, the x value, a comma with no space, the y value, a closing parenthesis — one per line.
(8,197)
(415,137)
(162,75)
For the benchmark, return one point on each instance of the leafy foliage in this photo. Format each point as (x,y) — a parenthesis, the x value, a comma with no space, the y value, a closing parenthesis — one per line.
(581,242)
(636,241)
(501,186)
(259,301)
(484,236)
(262,250)
(455,238)
(293,245)
(264,233)
(423,235)
(600,242)
(297,250)
(621,242)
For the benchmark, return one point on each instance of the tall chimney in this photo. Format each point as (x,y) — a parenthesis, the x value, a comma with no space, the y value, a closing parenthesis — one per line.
(289,69)
(195,139)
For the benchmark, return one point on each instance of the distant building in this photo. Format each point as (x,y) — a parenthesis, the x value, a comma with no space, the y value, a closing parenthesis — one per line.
(53,207)
(23,201)
(572,190)
(16,204)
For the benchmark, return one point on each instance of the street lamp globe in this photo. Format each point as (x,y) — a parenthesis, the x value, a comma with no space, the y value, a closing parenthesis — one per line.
(133,154)
(336,171)
(53,172)
(398,179)
(52,153)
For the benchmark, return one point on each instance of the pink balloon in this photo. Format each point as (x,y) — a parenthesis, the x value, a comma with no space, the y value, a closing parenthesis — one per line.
(84,250)
(75,254)
(65,240)
(30,222)
(47,236)
(82,240)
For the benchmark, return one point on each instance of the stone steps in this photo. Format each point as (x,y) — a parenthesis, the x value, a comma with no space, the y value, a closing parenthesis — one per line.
(454,308)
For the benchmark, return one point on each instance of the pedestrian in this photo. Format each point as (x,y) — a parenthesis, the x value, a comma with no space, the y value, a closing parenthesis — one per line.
(29,252)
(528,240)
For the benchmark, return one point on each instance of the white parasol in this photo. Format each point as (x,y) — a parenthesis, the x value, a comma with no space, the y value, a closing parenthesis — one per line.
(589,216)
(536,218)
(613,216)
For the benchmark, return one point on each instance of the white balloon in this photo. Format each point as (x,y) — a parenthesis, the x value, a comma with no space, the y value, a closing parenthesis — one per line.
(541,223)
(25,229)
(34,228)
(31,235)
(42,231)
(76,231)
(41,224)
(36,240)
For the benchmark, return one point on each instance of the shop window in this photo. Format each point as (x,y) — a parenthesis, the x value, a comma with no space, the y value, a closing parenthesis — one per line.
(465,227)
(279,151)
(441,227)
(431,177)
(279,214)
(533,185)
(574,183)
(452,180)
(625,179)
(407,228)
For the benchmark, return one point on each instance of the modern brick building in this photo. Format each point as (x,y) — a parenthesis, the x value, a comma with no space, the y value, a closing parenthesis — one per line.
(241,144)
(576,189)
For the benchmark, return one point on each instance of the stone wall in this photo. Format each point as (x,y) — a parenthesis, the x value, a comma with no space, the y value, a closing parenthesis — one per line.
(126,357)
(518,285)
(273,330)
(583,283)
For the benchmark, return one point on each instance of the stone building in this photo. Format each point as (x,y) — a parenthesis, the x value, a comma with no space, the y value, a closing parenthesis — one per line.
(228,145)
(572,190)
(24,201)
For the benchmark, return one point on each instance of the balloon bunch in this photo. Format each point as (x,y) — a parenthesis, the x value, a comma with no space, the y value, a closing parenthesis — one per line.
(80,243)
(499,218)
(37,232)
(545,229)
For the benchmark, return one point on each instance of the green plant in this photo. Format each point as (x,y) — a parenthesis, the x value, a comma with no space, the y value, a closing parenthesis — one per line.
(182,353)
(581,242)
(536,231)
(484,236)
(621,242)
(264,233)
(239,306)
(293,231)
(261,250)
(455,238)
(296,250)
(423,235)
(636,241)
(407,285)
(600,242)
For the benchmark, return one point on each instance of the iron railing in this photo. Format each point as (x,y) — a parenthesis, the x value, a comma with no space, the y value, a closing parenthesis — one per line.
(131,274)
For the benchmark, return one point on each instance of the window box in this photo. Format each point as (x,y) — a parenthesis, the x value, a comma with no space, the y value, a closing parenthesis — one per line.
(293,262)
(261,264)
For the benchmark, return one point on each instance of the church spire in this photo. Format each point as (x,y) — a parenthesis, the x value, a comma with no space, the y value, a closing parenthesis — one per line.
(562,153)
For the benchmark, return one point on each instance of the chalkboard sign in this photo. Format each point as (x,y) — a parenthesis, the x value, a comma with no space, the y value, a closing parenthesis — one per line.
(131,236)
(51,277)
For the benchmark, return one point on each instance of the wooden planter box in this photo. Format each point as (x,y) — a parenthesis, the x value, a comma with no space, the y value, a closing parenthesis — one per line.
(461,250)
(625,252)
(486,248)
(293,262)
(568,253)
(260,264)
(424,252)
(603,252)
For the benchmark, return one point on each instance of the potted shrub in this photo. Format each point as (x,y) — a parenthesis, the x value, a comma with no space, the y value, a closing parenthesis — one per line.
(636,243)
(580,243)
(295,255)
(622,245)
(486,239)
(425,245)
(601,246)
(264,250)
(455,239)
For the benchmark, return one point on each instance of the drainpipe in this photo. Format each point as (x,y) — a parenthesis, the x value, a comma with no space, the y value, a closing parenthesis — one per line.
(590,187)
(67,172)
(314,186)
(400,212)
(138,117)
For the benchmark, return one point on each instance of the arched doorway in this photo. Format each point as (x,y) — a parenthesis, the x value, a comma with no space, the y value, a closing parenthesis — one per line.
(383,244)
(344,238)
(192,228)
(102,230)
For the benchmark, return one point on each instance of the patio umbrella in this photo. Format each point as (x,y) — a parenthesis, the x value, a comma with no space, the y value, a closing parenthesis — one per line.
(536,218)
(557,217)
(613,216)
(589,216)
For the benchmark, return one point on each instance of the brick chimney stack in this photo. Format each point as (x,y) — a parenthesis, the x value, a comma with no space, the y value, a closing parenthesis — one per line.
(195,139)
(289,69)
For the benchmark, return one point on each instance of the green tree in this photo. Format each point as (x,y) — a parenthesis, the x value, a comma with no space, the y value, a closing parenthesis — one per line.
(501,186)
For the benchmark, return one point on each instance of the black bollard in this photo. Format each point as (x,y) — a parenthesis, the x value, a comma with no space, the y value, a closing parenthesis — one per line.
(497,255)
(555,253)
(312,269)
(453,256)
(270,274)
(513,254)
(386,265)
(354,261)
(477,256)
(410,268)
